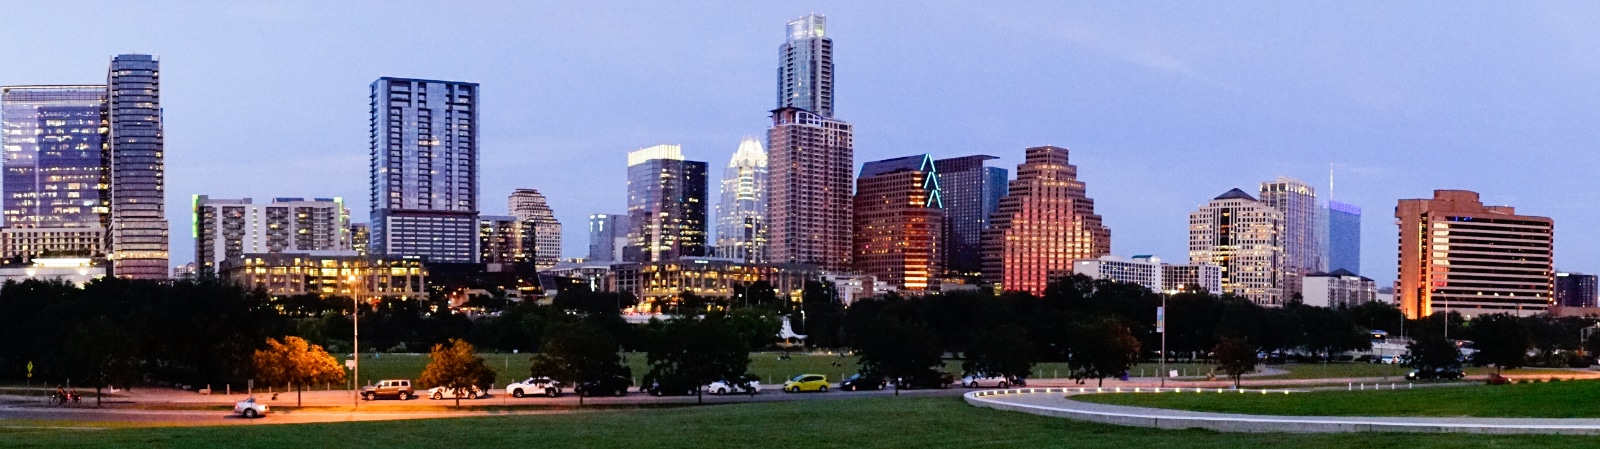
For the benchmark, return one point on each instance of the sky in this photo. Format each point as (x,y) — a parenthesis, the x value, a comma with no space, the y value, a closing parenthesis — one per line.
(1164,105)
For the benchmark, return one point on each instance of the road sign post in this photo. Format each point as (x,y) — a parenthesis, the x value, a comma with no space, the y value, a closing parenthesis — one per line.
(1161,328)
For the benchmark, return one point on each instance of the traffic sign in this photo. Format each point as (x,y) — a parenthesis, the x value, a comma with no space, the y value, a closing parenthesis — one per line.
(30,368)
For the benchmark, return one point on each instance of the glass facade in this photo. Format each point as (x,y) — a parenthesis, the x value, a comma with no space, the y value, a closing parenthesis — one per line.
(424,162)
(530,208)
(137,188)
(971,193)
(1298,203)
(805,79)
(54,140)
(741,231)
(608,233)
(1045,222)
(1344,237)
(666,206)
(899,218)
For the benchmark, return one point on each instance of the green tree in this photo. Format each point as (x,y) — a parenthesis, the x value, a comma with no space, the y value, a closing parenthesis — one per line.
(1501,340)
(456,367)
(1235,357)
(575,352)
(1431,352)
(297,363)
(1001,351)
(99,353)
(897,349)
(699,350)
(1104,347)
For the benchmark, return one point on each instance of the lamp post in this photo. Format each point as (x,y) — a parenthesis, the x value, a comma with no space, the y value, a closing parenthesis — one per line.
(355,338)
(1161,328)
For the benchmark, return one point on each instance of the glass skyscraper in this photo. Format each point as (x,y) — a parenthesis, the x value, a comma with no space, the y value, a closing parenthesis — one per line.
(741,231)
(137,190)
(805,79)
(53,143)
(971,193)
(424,160)
(899,217)
(1298,203)
(1344,237)
(608,233)
(811,156)
(666,205)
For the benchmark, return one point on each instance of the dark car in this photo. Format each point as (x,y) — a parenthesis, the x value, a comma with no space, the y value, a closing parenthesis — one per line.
(860,382)
(927,379)
(604,386)
(1435,373)
(669,387)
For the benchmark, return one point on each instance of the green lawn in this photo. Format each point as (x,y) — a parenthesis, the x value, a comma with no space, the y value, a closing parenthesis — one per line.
(1570,399)
(854,423)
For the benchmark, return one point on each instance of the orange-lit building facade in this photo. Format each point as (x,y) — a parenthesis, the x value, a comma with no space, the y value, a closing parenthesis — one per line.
(369,279)
(899,217)
(1044,223)
(1458,255)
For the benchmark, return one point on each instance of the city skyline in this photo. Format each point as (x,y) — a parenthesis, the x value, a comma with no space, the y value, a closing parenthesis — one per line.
(1342,122)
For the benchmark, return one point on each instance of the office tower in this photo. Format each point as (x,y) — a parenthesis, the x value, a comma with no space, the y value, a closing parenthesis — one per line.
(360,238)
(528,205)
(1143,270)
(1298,203)
(608,235)
(54,177)
(899,218)
(424,169)
(1344,237)
(805,78)
(1194,277)
(971,193)
(666,205)
(1575,289)
(227,228)
(1043,223)
(1244,237)
(1339,289)
(506,239)
(741,234)
(1457,255)
(137,192)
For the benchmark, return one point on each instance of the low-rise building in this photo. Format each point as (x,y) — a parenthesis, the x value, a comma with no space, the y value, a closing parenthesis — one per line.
(1340,288)
(1189,277)
(77,270)
(368,279)
(1143,270)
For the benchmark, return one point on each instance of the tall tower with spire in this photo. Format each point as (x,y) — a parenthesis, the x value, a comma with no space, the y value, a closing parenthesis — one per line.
(811,156)
(741,232)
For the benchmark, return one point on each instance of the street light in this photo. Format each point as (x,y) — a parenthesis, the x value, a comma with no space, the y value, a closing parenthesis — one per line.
(355,339)
(1161,327)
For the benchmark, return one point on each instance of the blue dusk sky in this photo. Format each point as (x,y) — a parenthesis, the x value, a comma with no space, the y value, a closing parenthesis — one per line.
(1163,104)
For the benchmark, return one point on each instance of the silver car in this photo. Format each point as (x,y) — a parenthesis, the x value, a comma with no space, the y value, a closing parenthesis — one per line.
(249,408)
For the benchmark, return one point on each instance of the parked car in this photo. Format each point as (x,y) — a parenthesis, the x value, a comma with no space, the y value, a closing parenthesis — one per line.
(927,379)
(748,386)
(1435,373)
(611,386)
(806,382)
(858,382)
(1387,359)
(446,393)
(248,408)
(670,387)
(980,380)
(534,385)
(395,388)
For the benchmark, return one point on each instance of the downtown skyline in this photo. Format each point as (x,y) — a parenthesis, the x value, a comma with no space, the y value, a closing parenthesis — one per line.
(1125,134)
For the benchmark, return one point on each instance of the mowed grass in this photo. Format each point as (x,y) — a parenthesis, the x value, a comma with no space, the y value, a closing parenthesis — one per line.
(881,422)
(1569,399)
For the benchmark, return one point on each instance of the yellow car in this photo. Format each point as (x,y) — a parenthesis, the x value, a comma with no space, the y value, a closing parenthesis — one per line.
(806,382)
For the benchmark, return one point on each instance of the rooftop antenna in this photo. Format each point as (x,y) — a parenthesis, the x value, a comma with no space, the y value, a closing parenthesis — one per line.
(1330,181)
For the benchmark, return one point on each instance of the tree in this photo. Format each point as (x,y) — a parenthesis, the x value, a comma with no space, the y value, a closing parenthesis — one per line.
(456,367)
(1432,352)
(576,352)
(1501,340)
(100,354)
(699,350)
(1235,357)
(1104,347)
(297,363)
(1328,331)
(897,349)
(1002,351)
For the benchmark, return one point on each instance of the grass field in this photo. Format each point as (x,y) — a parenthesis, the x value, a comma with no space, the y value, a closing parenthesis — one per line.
(1570,399)
(854,423)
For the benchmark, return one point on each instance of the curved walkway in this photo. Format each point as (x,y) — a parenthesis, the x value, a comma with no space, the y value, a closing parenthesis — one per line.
(1058,403)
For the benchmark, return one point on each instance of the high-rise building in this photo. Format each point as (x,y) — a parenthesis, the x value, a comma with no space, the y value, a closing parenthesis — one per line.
(424,156)
(971,194)
(741,231)
(805,77)
(1143,270)
(666,205)
(1043,223)
(360,238)
(1301,253)
(1344,237)
(226,228)
(53,139)
(505,239)
(527,205)
(1458,255)
(1194,277)
(137,188)
(1576,289)
(608,235)
(1243,237)
(899,217)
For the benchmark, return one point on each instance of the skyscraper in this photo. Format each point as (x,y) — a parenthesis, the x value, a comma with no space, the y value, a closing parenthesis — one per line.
(506,239)
(1458,255)
(805,78)
(1243,236)
(899,217)
(971,193)
(424,157)
(227,228)
(608,235)
(529,207)
(666,205)
(1043,223)
(55,175)
(137,187)
(1576,289)
(1298,203)
(1344,237)
(741,232)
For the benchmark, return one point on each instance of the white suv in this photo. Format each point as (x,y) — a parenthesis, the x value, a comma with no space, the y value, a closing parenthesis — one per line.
(984,380)
(535,385)
(732,387)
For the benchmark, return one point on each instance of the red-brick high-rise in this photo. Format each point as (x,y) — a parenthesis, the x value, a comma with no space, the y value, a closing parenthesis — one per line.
(899,216)
(1044,223)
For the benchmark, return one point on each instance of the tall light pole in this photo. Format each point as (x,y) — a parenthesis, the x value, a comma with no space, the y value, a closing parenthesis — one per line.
(355,339)
(1161,328)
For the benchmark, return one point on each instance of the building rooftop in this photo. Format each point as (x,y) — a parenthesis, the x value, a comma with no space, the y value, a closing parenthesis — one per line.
(1236,194)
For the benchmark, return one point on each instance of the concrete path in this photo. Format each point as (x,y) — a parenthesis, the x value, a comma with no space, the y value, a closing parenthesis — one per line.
(1057,402)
